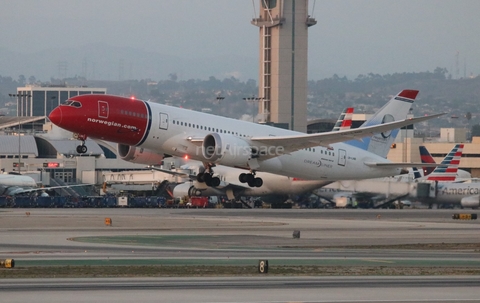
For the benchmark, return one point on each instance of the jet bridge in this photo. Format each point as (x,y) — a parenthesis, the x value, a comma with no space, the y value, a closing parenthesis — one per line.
(380,191)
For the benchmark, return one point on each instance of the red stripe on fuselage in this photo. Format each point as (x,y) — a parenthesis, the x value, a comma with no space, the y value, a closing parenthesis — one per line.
(112,118)
(439,178)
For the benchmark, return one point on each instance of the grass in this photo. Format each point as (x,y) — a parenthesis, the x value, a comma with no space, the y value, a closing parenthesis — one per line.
(199,271)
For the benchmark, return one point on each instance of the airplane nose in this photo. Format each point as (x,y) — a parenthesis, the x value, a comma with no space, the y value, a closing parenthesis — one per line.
(56,116)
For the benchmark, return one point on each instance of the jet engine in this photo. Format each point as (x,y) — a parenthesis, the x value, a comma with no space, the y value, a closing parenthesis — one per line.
(188,190)
(138,155)
(226,150)
(471,202)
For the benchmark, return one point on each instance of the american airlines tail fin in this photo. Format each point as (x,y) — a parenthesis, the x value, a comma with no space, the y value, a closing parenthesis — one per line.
(345,120)
(396,109)
(451,162)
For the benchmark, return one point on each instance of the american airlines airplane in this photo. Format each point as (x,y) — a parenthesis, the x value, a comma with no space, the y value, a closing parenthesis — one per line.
(450,172)
(439,187)
(216,140)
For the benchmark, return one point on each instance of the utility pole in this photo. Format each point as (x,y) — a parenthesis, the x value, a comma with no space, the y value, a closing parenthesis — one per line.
(19,96)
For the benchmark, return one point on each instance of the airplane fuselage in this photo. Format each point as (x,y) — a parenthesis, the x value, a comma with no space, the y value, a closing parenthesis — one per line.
(452,193)
(17,180)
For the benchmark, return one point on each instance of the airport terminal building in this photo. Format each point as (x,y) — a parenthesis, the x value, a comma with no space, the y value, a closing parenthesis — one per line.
(36,101)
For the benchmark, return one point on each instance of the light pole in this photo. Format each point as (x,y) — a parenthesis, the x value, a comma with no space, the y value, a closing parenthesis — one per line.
(19,96)
(251,100)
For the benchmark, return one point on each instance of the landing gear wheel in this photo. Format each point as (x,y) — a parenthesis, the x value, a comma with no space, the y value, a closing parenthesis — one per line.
(242,178)
(200,177)
(81,149)
(215,181)
(258,182)
(207,178)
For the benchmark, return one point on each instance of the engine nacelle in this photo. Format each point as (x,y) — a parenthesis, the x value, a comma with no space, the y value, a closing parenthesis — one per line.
(471,202)
(226,149)
(188,190)
(138,155)
(183,190)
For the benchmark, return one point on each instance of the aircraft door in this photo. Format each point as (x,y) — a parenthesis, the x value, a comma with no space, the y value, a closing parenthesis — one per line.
(163,121)
(103,109)
(342,157)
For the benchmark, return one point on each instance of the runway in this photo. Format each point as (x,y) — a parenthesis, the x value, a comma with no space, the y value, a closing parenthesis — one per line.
(246,289)
(334,238)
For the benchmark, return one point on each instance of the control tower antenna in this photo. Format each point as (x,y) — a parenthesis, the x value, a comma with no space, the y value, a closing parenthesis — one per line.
(457,67)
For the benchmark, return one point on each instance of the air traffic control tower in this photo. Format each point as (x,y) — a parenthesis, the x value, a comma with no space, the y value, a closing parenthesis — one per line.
(283,62)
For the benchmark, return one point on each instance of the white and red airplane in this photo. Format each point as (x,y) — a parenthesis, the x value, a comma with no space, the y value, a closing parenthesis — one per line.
(216,140)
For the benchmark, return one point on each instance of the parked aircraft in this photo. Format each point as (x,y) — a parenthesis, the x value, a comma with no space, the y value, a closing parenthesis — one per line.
(386,190)
(451,172)
(447,186)
(216,140)
(14,184)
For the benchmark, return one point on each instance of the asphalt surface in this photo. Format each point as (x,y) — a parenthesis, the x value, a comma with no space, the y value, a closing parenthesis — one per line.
(56,237)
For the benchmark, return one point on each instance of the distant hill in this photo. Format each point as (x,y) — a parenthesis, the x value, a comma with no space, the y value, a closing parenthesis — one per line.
(100,61)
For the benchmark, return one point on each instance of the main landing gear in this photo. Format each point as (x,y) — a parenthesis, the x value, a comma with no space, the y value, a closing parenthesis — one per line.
(208,178)
(82,148)
(250,179)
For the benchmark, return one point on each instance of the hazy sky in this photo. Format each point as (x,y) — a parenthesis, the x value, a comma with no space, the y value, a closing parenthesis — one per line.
(351,37)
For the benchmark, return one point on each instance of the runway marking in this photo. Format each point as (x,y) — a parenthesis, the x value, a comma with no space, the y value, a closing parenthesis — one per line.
(376,260)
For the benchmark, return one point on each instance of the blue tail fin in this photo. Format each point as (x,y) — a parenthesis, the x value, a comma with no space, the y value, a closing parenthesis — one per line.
(396,109)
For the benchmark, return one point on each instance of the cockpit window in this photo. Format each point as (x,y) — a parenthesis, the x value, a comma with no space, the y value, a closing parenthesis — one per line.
(72,103)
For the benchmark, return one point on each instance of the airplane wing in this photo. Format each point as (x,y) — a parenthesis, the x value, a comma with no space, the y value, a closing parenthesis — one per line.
(31,190)
(173,173)
(293,143)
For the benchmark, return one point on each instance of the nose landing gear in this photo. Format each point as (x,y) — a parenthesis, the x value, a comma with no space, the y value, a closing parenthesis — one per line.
(81,149)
